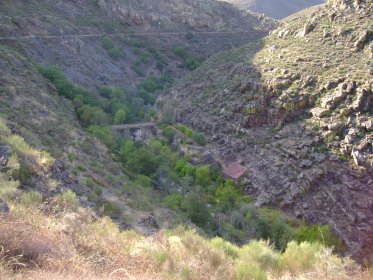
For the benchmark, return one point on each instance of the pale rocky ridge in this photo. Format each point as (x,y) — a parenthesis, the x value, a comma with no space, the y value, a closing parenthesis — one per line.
(275,8)
(181,15)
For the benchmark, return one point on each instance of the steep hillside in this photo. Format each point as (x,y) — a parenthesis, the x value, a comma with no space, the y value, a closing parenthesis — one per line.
(275,8)
(183,15)
(120,60)
(296,109)
(98,181)
(74,244)
(66,76)
(33,110)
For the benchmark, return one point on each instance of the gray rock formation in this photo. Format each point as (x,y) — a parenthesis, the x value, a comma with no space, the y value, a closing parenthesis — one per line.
(275,8)
(178,15)
(4,208)
(4,155)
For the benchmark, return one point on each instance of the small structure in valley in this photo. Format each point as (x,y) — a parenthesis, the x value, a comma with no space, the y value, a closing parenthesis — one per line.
(234,171)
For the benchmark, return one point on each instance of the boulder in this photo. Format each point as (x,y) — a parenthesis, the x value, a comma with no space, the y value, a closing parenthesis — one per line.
(306,163)
(283,33)
(358,157)
(308,28)
(369,125)
(4,155)
(336,126)
(274,48)
(320,112)
(4,208)
(363,38)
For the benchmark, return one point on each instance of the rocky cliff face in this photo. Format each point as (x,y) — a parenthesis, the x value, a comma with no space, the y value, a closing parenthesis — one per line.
(275,8)
(343,4)
(296,110)
(181,15)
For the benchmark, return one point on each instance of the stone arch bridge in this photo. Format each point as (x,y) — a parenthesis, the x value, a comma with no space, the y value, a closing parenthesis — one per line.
(135,131)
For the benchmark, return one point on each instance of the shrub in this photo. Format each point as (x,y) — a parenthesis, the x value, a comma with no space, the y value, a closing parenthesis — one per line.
(189,36)
(192,63)
(18,144)
(181,52)
(203,175)
(112,209)
(90,115)
(115,53)
(23,174)
(260,253)
(184,168)
(107,43)
(300,257)
(152,84)
(168,133)
(31,199)
(120,116)
(199,138)
(98,191)
(196,208)
(143,161)
(103,133)
(316,233)
(89,182)
(185,130)
(246,271)
(8,188)
(173,201)
(227,195)
(281,234)
(271,224)
(144,181)
(230,249)
(68,200)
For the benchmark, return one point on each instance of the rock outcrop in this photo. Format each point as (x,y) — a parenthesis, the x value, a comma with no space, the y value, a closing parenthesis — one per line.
(182,15)
(275,8)
(298,112)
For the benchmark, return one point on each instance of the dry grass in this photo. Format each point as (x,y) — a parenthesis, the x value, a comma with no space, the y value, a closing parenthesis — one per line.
(78,245)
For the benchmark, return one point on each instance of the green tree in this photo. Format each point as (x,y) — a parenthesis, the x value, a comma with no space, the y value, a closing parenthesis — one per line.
(228,195)
(169,133)
(102,133)
(120,116)
(196,208)
(90,115)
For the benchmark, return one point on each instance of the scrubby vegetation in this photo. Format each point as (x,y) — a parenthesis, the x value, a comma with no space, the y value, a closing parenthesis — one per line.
(111,105)
(60,243)
(213,230)
(189,61)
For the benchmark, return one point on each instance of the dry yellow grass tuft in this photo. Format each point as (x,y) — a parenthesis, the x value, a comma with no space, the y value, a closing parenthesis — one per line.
(79,245)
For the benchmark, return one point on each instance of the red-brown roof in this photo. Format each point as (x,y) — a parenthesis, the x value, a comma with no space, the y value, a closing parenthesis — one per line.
(234,170)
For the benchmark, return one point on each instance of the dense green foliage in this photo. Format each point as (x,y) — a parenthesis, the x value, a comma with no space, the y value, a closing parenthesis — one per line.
(111,105)
(197,192)
(190,62)
(113,51)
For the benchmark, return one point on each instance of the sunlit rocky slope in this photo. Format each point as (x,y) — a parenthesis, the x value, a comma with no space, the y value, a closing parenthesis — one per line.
(296,110)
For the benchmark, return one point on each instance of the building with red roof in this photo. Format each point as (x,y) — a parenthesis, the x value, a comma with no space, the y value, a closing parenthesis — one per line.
(234,171)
